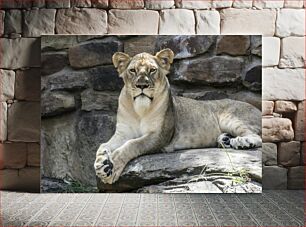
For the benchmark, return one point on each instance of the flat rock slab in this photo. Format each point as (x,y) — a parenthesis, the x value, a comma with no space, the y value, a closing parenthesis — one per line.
(196,170)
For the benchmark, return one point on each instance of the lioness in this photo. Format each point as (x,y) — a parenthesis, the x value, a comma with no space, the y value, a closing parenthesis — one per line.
(150,119)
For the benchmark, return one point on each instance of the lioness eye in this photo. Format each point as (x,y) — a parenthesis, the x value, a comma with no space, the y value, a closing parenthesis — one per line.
(153,70)
(132,70)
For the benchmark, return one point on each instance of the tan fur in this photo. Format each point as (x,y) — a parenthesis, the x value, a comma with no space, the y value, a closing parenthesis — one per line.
(150,120)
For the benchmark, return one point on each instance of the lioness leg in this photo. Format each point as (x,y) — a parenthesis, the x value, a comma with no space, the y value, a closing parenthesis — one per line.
(113,166)
(239,133)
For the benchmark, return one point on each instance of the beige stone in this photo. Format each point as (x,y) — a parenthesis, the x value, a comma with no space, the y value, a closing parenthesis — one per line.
(2,14)
(192,4)
(274,177)
(261,4)
(126,4)
(303,157)
(267,107)
(290,22)
(271,51)
(289,153)
(80,3)
(293,3)
(159,4)
(285,107)
(130,22)
(208,22)
(269,154)
(283,84)
(3,121)
(81,21)
(233,45)
(7,84)
(27,86)
(242,4)
(248,21)
(299,122)
(39,22)
(24,122)
(277,129)
(176,21)
(33,158)
(221,4)
(26,179)
(292,52)
(13,22)
(20,53)
(296,178)
(13,155)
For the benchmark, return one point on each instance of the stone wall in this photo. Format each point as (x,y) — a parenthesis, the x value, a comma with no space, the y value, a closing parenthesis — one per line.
(282,22)
(80,88)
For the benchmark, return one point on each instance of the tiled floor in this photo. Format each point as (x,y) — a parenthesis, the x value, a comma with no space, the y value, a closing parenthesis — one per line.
(272,208)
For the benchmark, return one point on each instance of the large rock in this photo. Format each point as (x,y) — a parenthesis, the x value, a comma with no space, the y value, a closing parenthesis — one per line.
(133,22)
(252,75)
(52,62)
(276,86)
(13,22)
(221,4)
(290,22)
(213,70)
(269,154)
(80,3)
(38,22)
(126,4)
(296,178)
(20,53)
(2,15)
(93,53)
(136,45)
(299,122)
(293,52)
(15,4)
(24,122)
(57,102)
(189,165)
(81,21)
(13,155)
(105,78)
(70,142)
(267,107)
(289,153)
(3,121)
(277,129)
(191,4)
(99,3)
(285,106)
(159,4)
(261,4)
(33,155)
(208,22)
(39,4)
(7,84)
(58,42)
(233,45)
(256,45)
(176,21)
(271,49)
(27,86)
(185,46)
(248,21)
(97,100)
(274,177)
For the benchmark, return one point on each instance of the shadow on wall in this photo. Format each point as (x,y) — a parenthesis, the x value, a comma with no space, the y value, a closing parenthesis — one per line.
(80,88)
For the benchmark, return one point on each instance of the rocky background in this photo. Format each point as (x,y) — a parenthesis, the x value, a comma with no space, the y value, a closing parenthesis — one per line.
(22,22)
(80,90)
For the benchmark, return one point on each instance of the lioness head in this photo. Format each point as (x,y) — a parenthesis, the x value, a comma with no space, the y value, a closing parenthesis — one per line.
(144,75)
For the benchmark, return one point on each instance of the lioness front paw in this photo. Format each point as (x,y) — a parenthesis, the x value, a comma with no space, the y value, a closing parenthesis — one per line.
(108,169)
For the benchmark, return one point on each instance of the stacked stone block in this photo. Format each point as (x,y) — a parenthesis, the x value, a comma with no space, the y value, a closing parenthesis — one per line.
(282,23)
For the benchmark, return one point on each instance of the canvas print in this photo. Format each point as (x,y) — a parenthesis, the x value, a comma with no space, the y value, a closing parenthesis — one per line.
(154,114)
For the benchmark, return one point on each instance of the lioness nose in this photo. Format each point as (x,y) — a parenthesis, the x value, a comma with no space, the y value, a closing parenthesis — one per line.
(142,86)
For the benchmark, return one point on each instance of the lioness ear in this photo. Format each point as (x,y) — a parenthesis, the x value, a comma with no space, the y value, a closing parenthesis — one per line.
(165,58)
(120,61)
